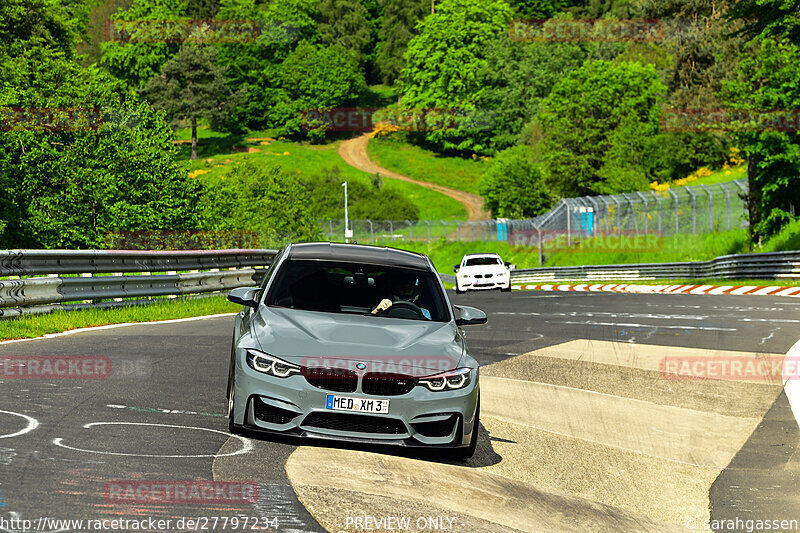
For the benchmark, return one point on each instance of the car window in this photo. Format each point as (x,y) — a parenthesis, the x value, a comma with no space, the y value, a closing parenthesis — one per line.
(483,261)
(352,288)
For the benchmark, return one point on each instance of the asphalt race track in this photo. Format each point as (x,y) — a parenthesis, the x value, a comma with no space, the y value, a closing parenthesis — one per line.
(581,431)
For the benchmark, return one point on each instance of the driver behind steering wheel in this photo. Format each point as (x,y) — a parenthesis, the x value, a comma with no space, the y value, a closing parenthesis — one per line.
(405,288)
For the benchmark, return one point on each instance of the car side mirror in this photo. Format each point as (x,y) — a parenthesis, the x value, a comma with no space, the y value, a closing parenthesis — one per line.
(469,316)
(510,266)
(247,296)
(455,268)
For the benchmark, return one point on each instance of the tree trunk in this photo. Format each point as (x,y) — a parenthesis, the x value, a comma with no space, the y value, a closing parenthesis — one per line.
(754,200)
(194,138)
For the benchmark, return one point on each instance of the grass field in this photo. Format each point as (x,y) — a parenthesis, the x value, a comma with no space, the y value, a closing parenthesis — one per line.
(218,153)
(425,165)
(38,325)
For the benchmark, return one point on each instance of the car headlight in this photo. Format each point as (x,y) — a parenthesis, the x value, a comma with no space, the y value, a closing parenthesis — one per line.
(451,380)
(271,365)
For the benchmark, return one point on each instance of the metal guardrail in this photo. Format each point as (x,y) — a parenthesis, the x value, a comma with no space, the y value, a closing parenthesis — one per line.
(72,276)
(773,265)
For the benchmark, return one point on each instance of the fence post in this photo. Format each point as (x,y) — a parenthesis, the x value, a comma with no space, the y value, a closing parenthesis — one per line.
(444,228)
(541,254)
(410,232)
(607,215)
(710,208)
(459,230)
(472,230)
(619,210)
(330,234)
(675,202)
(428,223)
(633,215)
(645,209)
(569,223)
(745,214)
(694,209)
(371,232)
(727,203)
(658,201)
(391,231)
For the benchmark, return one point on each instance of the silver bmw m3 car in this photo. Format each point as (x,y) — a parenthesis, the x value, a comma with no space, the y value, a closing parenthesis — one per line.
(354,342)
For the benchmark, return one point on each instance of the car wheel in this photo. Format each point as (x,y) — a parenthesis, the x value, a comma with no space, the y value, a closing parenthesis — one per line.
(508,289)
(459,291)
(465,453)
(233,428)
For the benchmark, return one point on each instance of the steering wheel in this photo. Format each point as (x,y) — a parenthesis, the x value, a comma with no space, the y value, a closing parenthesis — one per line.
(404,309)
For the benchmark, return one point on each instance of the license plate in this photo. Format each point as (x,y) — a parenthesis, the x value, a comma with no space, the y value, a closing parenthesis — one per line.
(358,405)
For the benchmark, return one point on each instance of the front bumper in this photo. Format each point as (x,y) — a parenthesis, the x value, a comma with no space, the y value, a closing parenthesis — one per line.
(292,406)
(483,283)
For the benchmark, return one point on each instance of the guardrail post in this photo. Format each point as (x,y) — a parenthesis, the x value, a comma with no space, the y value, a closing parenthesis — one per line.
(727,203)
(371,232)
(675,203)
(710,208)
(694,209)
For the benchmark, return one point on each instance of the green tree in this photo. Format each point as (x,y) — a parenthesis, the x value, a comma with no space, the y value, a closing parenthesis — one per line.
(137,51)
(768,79)
(398,27)
(190,86)
(346,23)
(316,77)
(768,17)
(446,64)
(595,123)
(270,202)
(102,161)
(513,186)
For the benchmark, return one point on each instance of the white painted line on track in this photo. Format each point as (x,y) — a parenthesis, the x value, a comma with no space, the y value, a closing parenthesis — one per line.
(112,326)
(792,381)
(32,424)
(629,325)
(247,445)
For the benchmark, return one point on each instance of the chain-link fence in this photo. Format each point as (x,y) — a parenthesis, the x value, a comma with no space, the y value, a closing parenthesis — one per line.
(682,210)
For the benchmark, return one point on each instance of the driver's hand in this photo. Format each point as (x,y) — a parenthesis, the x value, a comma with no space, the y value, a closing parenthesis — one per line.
(383,306)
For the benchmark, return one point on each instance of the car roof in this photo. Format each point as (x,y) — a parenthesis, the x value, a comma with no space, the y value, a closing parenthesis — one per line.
(358,253)
(468,256)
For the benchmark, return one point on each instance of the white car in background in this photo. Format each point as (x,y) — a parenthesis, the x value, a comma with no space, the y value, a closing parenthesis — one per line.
(481,272)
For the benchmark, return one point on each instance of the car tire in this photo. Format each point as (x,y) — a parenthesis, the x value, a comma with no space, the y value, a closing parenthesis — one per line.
(233,428)
(463,454)
(459,291)
(508,289)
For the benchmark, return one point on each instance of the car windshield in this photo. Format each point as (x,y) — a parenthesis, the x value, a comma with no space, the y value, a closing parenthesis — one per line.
(482,261)
(341,287)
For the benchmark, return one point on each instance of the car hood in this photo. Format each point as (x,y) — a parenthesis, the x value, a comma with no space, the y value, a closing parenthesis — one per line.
(302,336)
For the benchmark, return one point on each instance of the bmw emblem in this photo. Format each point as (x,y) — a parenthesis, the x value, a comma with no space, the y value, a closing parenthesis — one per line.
(361,366)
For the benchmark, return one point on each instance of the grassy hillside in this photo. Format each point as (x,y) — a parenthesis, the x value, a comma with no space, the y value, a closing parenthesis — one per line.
(219,152)
(425,165)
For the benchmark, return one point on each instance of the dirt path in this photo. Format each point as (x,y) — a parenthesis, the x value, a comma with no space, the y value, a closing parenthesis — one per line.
(354,153)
